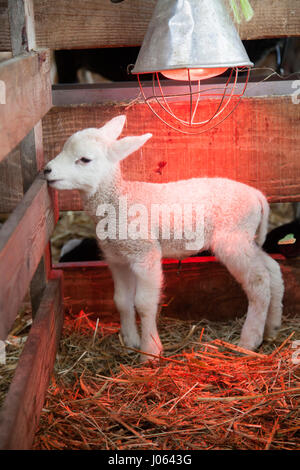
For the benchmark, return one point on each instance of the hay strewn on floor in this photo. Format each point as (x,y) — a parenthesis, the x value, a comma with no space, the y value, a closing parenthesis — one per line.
(13,348)
(202,395)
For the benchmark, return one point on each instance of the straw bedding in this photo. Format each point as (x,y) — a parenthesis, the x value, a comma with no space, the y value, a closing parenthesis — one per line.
(204,394)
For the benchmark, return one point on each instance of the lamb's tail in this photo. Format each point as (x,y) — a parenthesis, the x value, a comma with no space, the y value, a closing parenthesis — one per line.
(262,229)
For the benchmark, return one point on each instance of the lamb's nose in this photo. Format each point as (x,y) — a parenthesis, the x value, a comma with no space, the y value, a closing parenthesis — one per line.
(47,170)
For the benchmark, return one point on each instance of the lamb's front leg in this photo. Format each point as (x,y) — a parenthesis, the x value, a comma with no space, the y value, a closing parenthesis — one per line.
(148,284)
(124,292)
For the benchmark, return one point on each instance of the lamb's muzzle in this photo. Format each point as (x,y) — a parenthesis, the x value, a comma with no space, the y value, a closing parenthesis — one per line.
(232,222)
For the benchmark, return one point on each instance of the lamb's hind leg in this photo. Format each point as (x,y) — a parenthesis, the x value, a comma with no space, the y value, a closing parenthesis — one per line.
(274,315)
(148,284)
(124,292)
(244,261)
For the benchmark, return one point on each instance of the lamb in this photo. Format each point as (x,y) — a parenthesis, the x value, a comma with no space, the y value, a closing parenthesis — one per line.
(231,220)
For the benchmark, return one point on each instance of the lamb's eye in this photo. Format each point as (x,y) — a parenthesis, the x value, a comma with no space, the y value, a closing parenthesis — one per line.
(84,160)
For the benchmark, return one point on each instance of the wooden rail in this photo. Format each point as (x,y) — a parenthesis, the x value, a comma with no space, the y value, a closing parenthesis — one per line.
(21,410)
(84,24)
(23,239)
(200,288)
(11,191)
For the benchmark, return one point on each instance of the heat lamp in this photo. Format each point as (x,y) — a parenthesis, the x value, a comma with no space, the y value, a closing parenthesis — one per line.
(190,41)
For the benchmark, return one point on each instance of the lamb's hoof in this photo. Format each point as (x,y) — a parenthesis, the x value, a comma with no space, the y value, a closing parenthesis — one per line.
(250,344)
(131,341)
(270,334)
(152,354)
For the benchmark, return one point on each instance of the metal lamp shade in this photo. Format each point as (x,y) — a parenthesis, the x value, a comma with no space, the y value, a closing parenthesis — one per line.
(191,40)
(190,34)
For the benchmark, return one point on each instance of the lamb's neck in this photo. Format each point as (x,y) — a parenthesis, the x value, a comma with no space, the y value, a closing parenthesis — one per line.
(108,192)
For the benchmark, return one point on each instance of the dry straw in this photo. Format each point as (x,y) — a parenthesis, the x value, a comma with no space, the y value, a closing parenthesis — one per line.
(205,393)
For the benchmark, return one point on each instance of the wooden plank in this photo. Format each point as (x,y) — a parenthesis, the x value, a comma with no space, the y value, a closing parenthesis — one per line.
(39,280)
(129,92)
(22,33)
(272,19)
(28,97)
(21,22)
(32,161)
(11,190)
(5,44)
(201,288)
(16,178)
(100,23)
(32,155)
(23,239)
(257,145)
(21,410)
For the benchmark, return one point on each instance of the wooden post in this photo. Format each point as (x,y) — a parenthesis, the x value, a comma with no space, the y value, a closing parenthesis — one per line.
(22,35)
(21,410)
(32,161)
(21,22)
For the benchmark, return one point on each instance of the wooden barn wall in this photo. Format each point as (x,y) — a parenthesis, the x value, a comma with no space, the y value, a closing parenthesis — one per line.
(80,24)
(201,288)
(257,145)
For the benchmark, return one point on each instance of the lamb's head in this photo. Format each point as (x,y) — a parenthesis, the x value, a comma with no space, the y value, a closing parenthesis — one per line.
(89,157)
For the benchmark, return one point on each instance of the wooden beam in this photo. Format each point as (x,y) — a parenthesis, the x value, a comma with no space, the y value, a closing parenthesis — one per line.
(32,155)
(5,44)
(257,145)
(127,93)
(21,410)
(19,169)
(22,33)
(28,97)
(100,23)
(32,161)
(201,288)
(23,239)
(272,19)
(21,22)
(11,190)
(39,280)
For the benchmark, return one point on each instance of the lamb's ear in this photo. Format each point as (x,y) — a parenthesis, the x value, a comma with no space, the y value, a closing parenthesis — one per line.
(113,128)
(120,149)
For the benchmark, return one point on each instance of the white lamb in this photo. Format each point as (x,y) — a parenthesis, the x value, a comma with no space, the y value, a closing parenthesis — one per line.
(232,223)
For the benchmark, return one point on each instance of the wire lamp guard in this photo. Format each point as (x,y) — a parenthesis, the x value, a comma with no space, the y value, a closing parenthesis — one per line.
(191,41)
